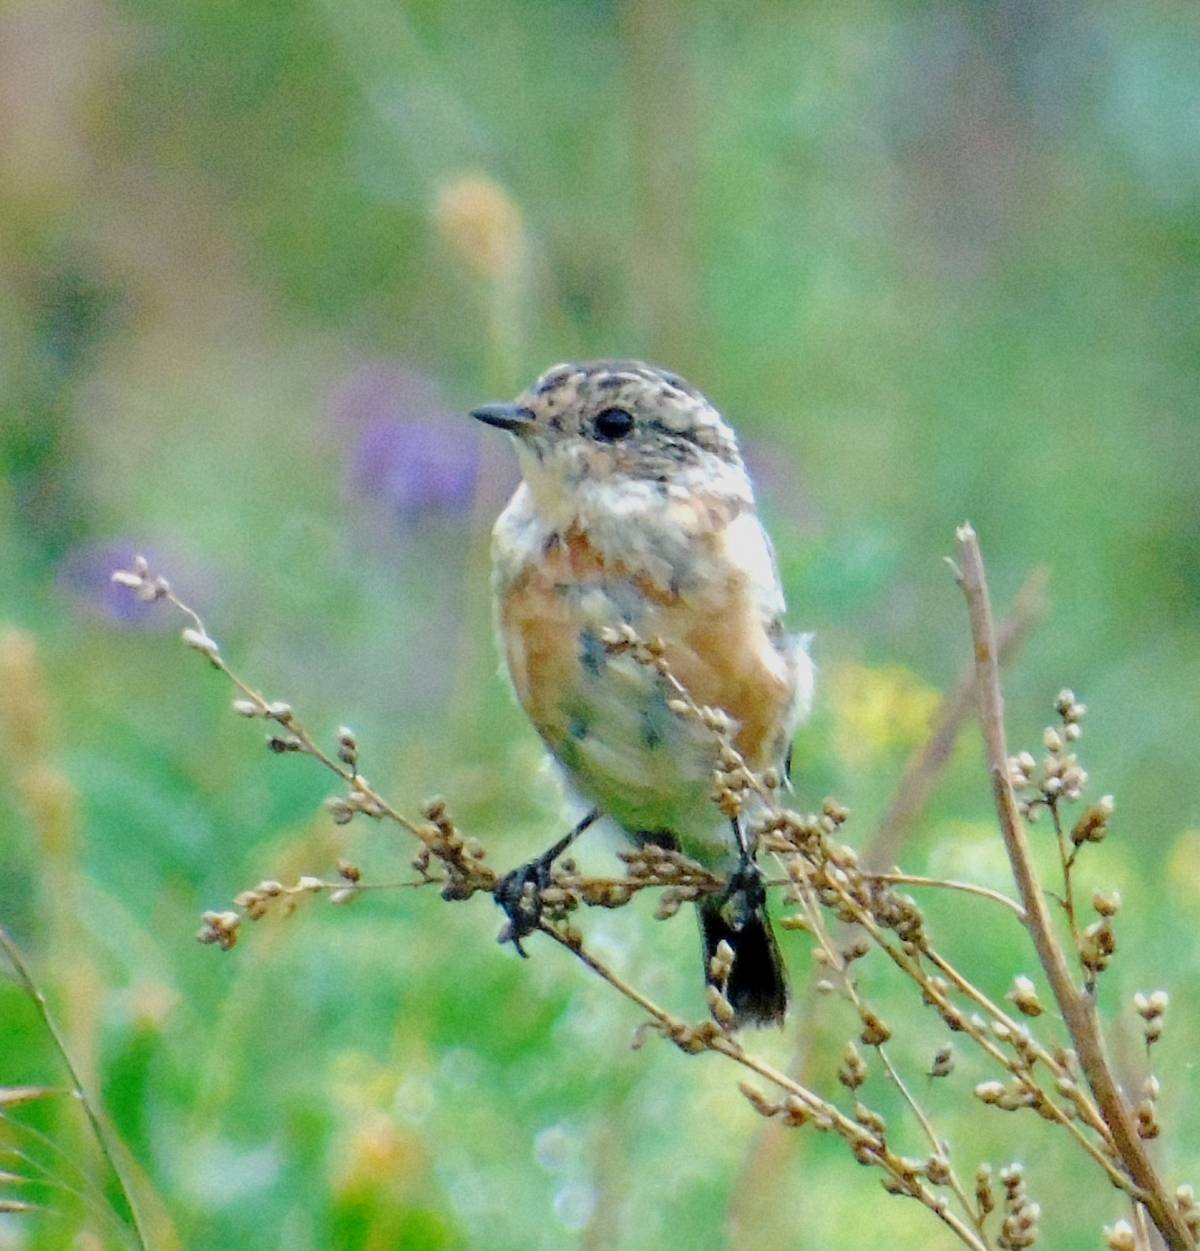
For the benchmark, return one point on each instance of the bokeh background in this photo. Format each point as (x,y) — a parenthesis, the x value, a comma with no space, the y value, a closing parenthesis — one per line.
(257,259)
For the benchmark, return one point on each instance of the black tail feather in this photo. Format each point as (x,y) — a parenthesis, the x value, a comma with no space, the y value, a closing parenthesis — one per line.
(757,987)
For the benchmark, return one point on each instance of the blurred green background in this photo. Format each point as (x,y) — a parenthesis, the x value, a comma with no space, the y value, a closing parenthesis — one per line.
(256,259)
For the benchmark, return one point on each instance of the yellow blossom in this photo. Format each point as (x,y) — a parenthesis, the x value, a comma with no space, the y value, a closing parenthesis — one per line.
(879,709)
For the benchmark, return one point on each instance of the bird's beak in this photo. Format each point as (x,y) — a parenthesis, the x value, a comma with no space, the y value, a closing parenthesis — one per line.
(514,418)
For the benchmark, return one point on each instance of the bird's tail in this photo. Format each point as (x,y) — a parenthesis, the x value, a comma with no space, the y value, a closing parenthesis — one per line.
(757,986)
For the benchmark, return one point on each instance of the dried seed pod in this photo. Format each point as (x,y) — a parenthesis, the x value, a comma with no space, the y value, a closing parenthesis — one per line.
(875,1030)
(853,1069)
(198,641)
(943,1062)
(758,1101)
(990,1092)
(1120,1237)
(1092,826)
(937,1169)
(984,1195)
(1024,996)
(1107,903)
(719,1006)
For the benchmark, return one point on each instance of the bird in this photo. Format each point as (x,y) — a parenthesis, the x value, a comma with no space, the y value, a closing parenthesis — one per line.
(636,509)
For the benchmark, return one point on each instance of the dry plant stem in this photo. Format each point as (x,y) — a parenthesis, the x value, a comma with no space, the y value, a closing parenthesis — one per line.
(428,835)
(810,872)
(1143,1227)
(910,798)
(709,1038)
(944,883)
(910,966)
(31,988)
(1083,1105)
(939,1145)
(350,776)
(926,766)
(835,961)
(1067,861)
(910,879)
(907,964)
(1077,1007)
(1046,1105)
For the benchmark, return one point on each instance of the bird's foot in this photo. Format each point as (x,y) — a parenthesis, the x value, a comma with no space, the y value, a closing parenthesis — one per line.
(744,895)
(519,894)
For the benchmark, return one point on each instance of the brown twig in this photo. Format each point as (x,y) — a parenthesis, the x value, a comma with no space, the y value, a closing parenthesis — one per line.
(945,883)
(1067,864)
(1078,1008)
(912,794)
(708,1037)
(824,875)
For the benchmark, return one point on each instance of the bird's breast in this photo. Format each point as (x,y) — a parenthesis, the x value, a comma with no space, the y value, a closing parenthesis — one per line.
(605,716)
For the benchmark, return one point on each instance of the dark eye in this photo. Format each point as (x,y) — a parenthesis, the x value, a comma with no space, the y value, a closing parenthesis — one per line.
(613,423)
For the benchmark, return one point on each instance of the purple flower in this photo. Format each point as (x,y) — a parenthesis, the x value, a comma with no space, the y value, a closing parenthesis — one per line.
(418,467)
(407,450)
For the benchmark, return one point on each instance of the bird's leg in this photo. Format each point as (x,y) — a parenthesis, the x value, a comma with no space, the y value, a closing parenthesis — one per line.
(745,852)
(744,894)
(519,893)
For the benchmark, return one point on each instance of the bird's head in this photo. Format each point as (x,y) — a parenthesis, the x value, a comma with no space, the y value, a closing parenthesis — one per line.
(618,426)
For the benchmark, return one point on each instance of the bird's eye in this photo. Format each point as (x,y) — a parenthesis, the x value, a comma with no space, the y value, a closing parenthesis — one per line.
(613,423)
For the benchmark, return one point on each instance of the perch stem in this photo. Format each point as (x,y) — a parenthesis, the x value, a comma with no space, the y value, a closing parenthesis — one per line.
(1078,1008)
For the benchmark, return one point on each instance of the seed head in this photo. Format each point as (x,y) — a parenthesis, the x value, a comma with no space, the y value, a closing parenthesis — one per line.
(1120,1237)
(1024,995)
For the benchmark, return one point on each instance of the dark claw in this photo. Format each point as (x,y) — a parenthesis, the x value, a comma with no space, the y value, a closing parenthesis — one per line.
(520,892)
(744,895)
(520,896)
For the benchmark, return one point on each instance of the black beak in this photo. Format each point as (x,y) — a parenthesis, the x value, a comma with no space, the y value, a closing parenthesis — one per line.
(514,418)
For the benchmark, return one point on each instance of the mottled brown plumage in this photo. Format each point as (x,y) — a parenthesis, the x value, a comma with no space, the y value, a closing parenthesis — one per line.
(636,508)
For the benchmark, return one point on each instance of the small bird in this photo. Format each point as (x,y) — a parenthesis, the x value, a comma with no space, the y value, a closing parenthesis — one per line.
(636,508)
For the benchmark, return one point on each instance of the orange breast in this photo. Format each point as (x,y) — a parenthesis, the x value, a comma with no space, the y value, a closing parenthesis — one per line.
(540,634)
(722,654)
(716,641)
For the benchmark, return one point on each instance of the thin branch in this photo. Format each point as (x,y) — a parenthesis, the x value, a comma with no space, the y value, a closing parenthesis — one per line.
(1067,862)
(910,799)
(270,712)
(939,1145)
(938,1000)
(898,879)
(834,960)
(842,888)
(1077,1094)
(710,1038)
(943,883)
(1078,1009)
